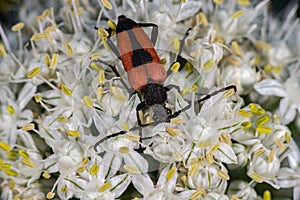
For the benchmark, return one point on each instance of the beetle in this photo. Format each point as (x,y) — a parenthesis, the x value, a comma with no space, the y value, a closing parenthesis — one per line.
(144,69)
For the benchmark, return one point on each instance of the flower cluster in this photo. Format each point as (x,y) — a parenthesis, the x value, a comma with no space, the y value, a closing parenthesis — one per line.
(68,123)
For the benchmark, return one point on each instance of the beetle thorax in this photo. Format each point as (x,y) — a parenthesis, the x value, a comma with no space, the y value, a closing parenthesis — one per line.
(154,93)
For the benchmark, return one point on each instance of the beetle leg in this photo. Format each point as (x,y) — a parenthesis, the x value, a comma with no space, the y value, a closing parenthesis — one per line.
(140,107)
(154,32)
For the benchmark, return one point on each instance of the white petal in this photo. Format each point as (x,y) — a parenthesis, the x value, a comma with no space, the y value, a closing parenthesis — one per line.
(142,182)
(270,87)
(111,164)
(26,94)
(225,154)
(189,9)
(287,111)
(137,161)
(120,183)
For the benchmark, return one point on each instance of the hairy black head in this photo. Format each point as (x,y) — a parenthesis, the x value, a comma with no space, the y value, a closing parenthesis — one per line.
(154,93)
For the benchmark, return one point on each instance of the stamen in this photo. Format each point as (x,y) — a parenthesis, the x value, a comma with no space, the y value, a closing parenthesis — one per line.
(262,120)
(276,117)
(132,137)
(54,60)
(287,137)
(35,71)
(223,175)
(267,195)
(194,168)
(46,175)
(38,36)
(102,33)
(170,173)
(218,2)
(95,56)
(117,93)
(63,189)
(66,90)
(13,155)
(28,162)
(199,191)
(268,68)
(18,26)
(264,129)
(69,49)
(11,172)
(209,158)
(107,4)
(37,98)
(23,153)
(244,2)
(271,156)
(202,18)
(28,127)
(85,161)
(2,51)
(73,133)
(94,169)
(194,88)
(131,169)
(228,93)
(88,102)
(236,48)
(125,126)
(172,131)
(5,166)
(47,60)
(263,45)
(208,64)
(255,109)
(104,187)
(246,125)
(101,77)
(225,138)
(99,92)
(184,91)
(235,198)
(4,146)
(176,44)
(279,143)
(177,120)
(10,109)
(50,195)
(234,61)
(62,119)
(238,14)
(259,152)
(277,69)
(123,149)
(256,178)
(175,67)
(112,25)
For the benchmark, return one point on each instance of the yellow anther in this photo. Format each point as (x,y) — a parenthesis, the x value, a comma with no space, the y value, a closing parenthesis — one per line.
(234,61)
(257,178)
(132,137)
(276,117)
(35,71)
(176,44)
(184,91)
(264,129)
(101,77)
(125,126)
(277,69)
(177,120)
(38,36)
(10,109)
(18,26)
(202,18)
(170,173)
(107,4)
(262,120)
(5,166)
(255,109)
(208,64)
(63,189)
(94,169)
(236,48)
(238,14)
(117,93)
(37,98)
(244,2)
(46,12)
(287,137)
(54,60)
(228,93)
(95,56)
(257,60)
(46,175)
(112,25)
(73,133)
(175,67)
(66,90)
(225,138)
(271,156)
(95,66)
(10,172)
(246,125)
(28,127)
(268,68)
(47,60)
(102,33)
(199,192)
(235,198)
(104,187)
(50,195)
(88,102)
(13,155)
(209,158)
(69,49)
(163,61)
(11,184)
(193,169)
(62,119)
(189,67)
(4,146)
(259,152)
(23,153)
(80,169)
(194,88)
(218,2)
(28,162)
(172,131)
(124,150)
(99,92)
(131,169)
(262,45)
(2,50)
(267,195)
(223,175)
(85,161)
